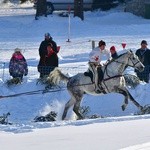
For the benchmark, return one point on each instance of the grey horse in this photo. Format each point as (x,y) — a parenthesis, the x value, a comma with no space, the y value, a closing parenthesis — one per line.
(113,81)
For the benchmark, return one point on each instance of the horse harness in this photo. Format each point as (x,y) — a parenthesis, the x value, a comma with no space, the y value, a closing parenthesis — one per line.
(101,77)
(101,74)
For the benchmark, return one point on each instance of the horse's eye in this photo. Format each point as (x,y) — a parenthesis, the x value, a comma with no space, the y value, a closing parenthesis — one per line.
(133,58)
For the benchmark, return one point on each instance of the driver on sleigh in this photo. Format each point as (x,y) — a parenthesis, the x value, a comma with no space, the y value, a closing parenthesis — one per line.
(95,63)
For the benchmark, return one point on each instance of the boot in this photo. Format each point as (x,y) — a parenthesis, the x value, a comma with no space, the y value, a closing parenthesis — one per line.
(36,18)
(93,68)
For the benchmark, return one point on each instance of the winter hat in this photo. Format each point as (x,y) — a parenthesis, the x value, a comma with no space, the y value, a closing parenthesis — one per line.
(47,34)
(17,56)
(113,49)
(101,43)
(144,42)
(17,50)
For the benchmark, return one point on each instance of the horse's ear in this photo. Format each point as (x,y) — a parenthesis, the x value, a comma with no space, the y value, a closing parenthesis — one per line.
(130,52)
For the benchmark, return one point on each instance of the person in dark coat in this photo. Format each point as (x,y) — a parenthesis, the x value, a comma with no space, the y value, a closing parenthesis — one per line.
(48,56)
(41,8)
(144,56)
(18,65)
(113,52)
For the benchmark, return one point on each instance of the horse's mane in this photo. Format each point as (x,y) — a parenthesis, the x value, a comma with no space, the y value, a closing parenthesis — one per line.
(122,54)
(114,59)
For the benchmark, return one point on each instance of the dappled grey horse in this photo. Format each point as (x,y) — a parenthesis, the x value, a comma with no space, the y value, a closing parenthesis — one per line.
(113,81)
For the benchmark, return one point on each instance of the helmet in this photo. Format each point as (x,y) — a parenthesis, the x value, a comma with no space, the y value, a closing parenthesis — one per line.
(101,43)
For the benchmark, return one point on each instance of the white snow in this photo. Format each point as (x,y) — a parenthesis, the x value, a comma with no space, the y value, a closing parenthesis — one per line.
(117,130)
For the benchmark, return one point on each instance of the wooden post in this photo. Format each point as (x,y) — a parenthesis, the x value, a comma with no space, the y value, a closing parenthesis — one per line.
(69,9)
(3,71)
(93,44)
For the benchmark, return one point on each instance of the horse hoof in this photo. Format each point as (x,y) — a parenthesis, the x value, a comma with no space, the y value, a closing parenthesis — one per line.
(146,109)
(97,91)
(123,107)
(80,118)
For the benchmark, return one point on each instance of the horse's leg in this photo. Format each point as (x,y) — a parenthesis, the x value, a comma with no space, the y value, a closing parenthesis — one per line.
(76,109)
(134,101)
(124,92)
(67,106)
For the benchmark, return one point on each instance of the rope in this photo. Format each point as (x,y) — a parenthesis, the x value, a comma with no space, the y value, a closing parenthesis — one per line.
(52,90)
(32,92)
(46,91)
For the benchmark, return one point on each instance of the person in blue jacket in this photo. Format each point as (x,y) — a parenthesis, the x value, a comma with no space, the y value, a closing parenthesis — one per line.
(143,54)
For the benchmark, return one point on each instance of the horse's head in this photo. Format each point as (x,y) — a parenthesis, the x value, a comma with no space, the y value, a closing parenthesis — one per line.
(134,61)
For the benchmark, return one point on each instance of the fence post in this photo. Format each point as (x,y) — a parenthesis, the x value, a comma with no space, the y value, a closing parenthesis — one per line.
(93,44)
(3,71)
(69,23)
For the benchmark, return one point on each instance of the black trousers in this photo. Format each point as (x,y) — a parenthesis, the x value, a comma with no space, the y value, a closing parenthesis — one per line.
(100,73)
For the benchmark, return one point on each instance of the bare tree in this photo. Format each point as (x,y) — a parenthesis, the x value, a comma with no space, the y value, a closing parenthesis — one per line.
(78,9)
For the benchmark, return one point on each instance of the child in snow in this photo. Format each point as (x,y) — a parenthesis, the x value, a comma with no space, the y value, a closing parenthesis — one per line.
(18,65)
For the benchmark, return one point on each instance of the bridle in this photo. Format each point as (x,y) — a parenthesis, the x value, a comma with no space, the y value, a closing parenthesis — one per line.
(134,64)
(129,58)
(123,63)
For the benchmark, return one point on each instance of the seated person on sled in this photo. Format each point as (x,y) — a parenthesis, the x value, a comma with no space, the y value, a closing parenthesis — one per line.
(18,66)
(95,58)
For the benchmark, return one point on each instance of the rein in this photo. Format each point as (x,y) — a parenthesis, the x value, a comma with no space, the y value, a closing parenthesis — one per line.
(117,76)
(125,63)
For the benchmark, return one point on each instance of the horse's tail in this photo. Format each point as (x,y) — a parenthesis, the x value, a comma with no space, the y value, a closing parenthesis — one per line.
(56,76)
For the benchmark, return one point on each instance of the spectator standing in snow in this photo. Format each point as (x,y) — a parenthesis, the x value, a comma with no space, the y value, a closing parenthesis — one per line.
(48,56)
(18,65)
(144,56)
(95,58)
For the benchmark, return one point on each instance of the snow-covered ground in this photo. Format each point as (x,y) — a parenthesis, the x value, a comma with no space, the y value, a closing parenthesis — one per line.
(117,130)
